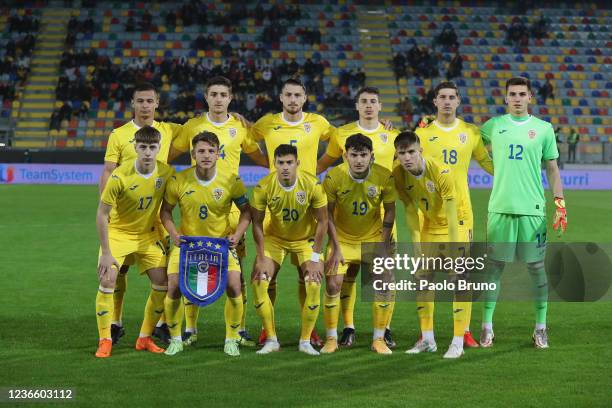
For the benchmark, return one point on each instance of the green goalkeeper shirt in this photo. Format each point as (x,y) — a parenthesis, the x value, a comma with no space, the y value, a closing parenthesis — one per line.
(519,145)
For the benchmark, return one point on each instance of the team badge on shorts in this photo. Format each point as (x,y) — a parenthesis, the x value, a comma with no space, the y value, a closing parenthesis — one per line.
(217,193)
(430,186)
(203,269)
(372,191)
(232,133)
(158,183)
(300,196)
(384,137)
(307,127)
(532,134)
(462,138)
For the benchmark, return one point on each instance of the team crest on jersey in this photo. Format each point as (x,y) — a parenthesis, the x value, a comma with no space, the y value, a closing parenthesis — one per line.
(218,193)
(430,186)
(532,134)
(300,196)
(384,137)
(158,183)
(232,132)
(462,138)
(372,191)
(307,127)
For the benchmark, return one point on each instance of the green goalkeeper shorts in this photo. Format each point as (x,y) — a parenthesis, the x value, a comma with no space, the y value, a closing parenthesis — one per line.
(521,235)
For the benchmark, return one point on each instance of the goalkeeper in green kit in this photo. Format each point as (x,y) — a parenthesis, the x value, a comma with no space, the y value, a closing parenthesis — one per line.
(516,222)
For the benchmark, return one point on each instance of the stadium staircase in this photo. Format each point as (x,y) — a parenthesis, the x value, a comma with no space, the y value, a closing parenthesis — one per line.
(376,47)
(38,100)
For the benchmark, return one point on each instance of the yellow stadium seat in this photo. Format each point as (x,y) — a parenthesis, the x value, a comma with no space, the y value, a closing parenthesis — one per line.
(477,82)
(178,29)
(593,85)
(127,53)
(554,120)
(201,54)
(162,28)
(79,143)
(70,143)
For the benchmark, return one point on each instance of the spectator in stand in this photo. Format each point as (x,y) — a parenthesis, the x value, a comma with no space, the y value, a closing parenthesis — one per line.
(539,29)
(546,91)
(572,142)
(455,67)
(447,38)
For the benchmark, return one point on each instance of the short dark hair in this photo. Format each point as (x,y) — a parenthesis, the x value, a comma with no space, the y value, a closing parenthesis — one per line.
(284,150)
(446,85)
(518,81)
(208,137)
(405,139)
(144,86)
(148,135)
(219,80)
(358,142)
(293,81)
(367,89)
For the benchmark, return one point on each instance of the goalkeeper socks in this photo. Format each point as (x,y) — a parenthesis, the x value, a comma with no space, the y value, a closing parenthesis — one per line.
(272,291)
(425,312)
(233,314)
(191,315)
(243,295)
(540,291)
(119,294)
(153,309)
(104,311)
(301,293)
(348,294)
(174,312)
(264,307)
(462,311)
(331,314)
(494,272)
(310,311)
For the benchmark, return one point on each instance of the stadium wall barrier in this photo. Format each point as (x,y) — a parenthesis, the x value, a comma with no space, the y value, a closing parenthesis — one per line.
(30,173)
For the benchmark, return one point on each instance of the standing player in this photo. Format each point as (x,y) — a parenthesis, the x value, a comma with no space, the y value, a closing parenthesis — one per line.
(131,200)
(304,130)
(120,148)
(421,183)
(452,141)
(356,190)
(297,209)
(233,138)
(205,195)
(368,106)
(517,221)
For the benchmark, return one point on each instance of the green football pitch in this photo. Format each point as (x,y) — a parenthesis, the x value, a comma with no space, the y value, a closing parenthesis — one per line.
(48,332)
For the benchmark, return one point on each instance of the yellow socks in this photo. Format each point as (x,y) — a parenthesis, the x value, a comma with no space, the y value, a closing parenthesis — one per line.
(425,311)
(301,293)
(120,288)
(174,313)
(153,309)
(348,294)
(310,311)
(233,315)
(243,296)
(264,307)
(462,313)
(191,315)
(104,311)
(331,313)
(272,291)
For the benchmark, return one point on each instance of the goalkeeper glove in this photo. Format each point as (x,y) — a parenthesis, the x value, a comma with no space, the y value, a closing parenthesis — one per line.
(560,221)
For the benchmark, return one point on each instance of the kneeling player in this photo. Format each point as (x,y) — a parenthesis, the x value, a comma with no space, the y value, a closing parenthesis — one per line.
(205,197)
(298,221)
(131,198)
(355,190)
(422,184)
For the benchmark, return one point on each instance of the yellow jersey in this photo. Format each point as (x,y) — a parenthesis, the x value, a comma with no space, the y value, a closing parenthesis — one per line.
(289,209)
(357,211)
(205,205)
(455,146)
(382,142)
(233,138)
(427,192)
(120,146)
(135,198)
(306,134)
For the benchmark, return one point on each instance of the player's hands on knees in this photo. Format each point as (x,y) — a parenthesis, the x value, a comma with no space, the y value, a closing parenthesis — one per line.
(177,240)
(314,271)
(336,258)
(105,265)
(260,271)
(233,240)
